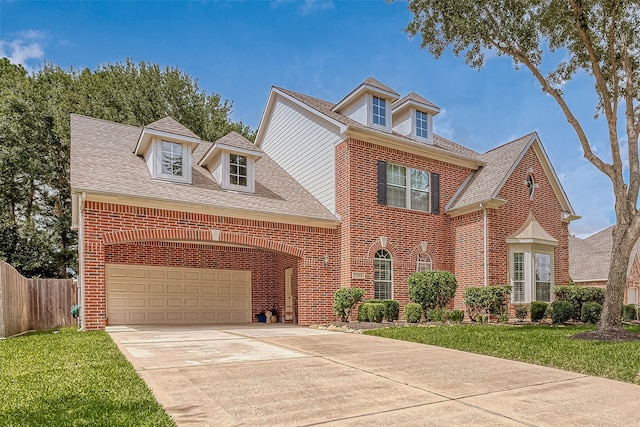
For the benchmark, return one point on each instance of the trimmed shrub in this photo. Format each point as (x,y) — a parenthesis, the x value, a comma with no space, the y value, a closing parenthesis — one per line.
(363,312)
(630,312)
(590,312)
(521,311)
(486,300)
(432,289)
(376,311)
(578,295)
(561,311)
(412,312)
(343,301)
(393,309)
(456,316)
(436,315)
(538,311)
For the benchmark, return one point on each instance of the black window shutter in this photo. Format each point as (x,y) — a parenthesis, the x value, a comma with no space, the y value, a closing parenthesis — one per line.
(435,193)
(382,182)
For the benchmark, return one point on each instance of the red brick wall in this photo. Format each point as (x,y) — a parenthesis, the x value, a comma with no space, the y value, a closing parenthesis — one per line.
(365,221)
(469,253)
(107,227)
(510,217)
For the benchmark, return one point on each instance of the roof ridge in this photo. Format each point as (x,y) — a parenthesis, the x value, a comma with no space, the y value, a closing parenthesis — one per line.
(527,136)
(111,122)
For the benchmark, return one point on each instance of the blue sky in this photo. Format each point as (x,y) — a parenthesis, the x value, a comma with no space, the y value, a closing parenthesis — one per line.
(239,49)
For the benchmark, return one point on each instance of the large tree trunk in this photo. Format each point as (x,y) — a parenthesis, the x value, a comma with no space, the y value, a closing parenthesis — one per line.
(614,296)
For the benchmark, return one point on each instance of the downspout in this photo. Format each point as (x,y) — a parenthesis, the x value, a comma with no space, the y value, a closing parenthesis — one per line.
(81,260)
(485,245)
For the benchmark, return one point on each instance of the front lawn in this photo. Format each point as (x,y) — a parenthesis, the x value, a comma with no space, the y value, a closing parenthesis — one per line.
(542,345)
(72,378)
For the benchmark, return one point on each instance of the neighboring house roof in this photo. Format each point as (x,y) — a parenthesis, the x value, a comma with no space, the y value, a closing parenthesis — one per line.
(325,108)
(484,185)
(103,163)
(589,258)
(170,125)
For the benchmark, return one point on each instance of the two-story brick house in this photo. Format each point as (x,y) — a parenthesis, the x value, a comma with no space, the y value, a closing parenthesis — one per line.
(358,193)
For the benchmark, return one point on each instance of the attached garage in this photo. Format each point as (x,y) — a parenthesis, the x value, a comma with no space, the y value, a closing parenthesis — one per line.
(139,294)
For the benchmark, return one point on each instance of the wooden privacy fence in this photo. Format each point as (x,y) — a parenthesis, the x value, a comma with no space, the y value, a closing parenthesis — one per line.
(27,304)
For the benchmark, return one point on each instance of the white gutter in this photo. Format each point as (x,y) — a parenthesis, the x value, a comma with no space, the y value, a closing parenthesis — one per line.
(81,260)
(484,238)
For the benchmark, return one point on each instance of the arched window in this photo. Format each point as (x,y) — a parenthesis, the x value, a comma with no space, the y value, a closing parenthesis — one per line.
(423,262)
(383,278)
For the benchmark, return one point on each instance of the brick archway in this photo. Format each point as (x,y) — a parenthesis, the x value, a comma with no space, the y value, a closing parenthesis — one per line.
(199,235)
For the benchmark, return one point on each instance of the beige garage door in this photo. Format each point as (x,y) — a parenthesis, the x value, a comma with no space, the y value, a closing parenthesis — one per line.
(142,294)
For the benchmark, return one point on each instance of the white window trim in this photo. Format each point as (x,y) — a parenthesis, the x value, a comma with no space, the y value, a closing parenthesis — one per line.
(387,112)
(422,265)
(407,189)
(530,250)
(226,172)
(186,163)
(390,260)
(414,126)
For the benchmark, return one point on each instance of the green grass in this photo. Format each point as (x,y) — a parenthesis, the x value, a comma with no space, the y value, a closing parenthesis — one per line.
(72,378)
(542,345)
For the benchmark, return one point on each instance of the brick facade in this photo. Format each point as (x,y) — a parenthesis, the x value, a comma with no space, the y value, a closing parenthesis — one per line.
(123,234)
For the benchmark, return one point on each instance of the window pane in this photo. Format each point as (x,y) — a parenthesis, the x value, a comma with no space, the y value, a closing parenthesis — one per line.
(238,170)
(396,175)
(379,111)
(518,277)
(396,186)
(382,275)
(420,190)
(421,124)
(420,200)
(543,277)
(419,180)
(171,158)
(396,197)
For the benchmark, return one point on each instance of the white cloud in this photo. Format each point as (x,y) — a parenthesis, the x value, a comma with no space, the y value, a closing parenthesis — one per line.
(25,47)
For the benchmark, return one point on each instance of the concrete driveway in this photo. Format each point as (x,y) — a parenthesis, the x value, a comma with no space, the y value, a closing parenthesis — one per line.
(285,375)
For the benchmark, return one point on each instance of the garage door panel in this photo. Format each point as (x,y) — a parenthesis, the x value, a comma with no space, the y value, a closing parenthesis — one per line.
(138,295)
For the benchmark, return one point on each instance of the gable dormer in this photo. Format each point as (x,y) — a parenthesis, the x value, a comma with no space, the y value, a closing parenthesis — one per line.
(231,160)
(413,117)
(167,148)
(369,104)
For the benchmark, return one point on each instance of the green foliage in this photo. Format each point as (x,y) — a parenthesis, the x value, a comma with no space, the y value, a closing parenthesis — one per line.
(538,344)
(413,312)
(561,311)
(363,312)
(578,295)
(35,194)
(538,310)
(437,315)
(590,312)
(521,311)
(630,312)
(343,301)
(72,378)
(486,300)
(432,289)
(375,311)
(456,316)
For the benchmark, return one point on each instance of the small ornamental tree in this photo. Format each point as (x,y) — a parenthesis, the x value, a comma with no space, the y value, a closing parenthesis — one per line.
(343,301)
(432,289)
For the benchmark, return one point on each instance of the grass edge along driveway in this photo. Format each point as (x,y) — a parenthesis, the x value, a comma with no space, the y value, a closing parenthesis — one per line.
(540,345)
(72,378)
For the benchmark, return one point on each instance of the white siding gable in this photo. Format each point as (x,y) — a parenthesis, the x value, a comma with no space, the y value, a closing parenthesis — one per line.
(358,111)
(402,123)
(303,144)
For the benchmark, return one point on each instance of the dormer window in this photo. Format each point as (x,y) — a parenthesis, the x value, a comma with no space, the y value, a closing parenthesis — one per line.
(422,124)
(231,160)
(379,114)
(171,159)
(238,174)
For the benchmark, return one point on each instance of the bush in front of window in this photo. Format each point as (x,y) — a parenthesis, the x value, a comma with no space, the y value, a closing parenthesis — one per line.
(578,295)
(432,289)
(561,311)
(486,300)
(521,311)
(391,310)
(630,312)
(538,311)
(343,301)
(363,313)
(375,311)
(413,312)
(590,312)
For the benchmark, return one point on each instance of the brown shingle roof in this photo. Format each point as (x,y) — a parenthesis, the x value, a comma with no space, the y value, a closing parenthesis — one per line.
(487,181)
(102,162)
(375,83)
(234,139)
(412,96)
(170,125)
(588,261)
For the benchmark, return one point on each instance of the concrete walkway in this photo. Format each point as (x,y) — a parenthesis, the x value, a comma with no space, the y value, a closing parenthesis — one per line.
(266,375)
